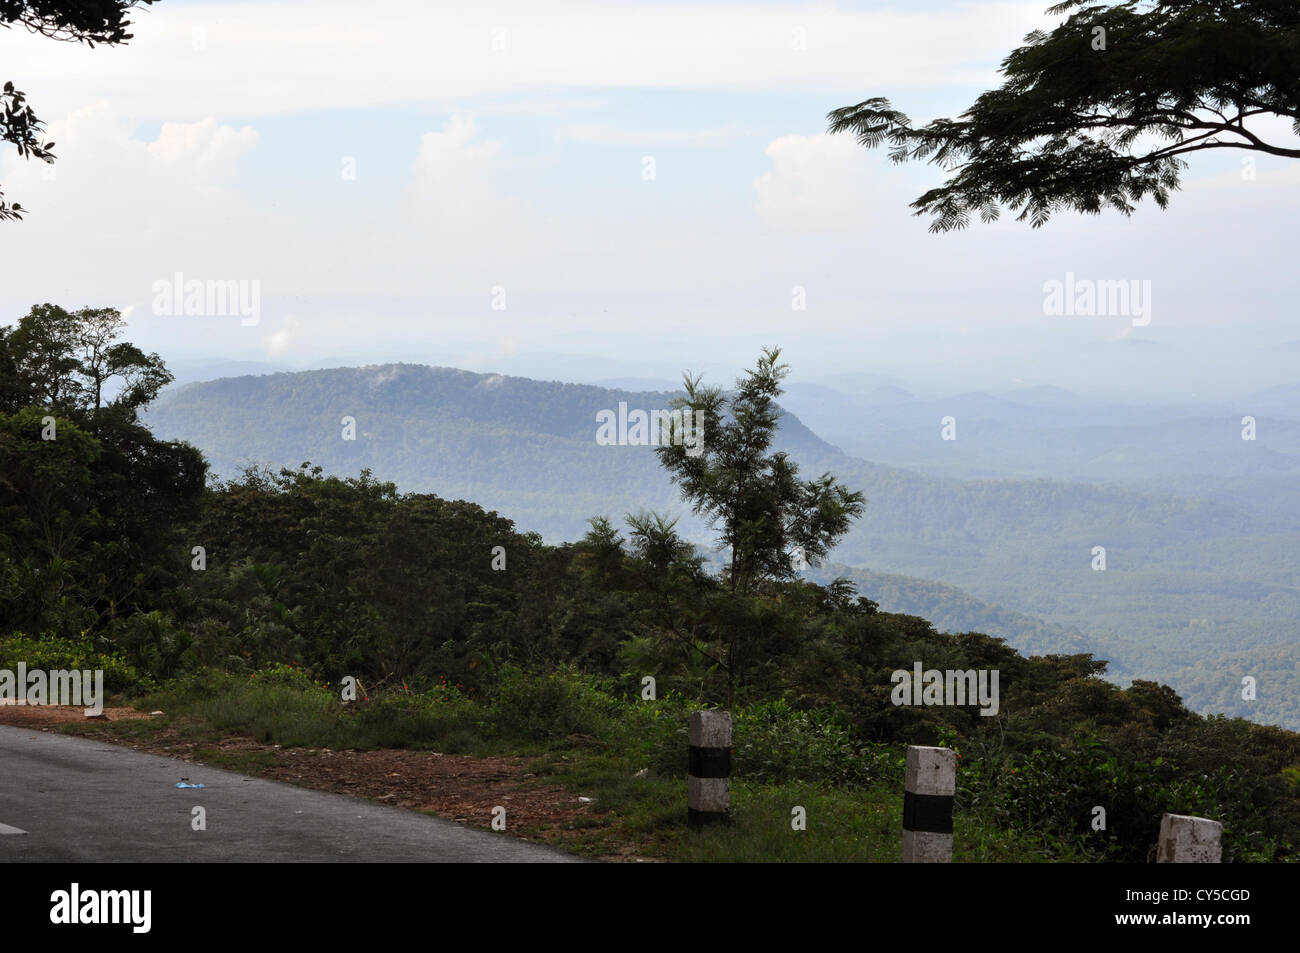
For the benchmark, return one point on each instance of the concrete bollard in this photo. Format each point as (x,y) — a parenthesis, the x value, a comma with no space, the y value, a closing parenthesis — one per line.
(927,805)
(708,782)
(1189,840)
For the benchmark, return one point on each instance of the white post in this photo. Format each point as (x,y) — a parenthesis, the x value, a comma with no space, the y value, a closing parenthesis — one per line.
(708,781)
(927,805)
(1189,840)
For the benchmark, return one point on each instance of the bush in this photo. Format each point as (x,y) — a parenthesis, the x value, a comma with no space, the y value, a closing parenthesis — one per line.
(1057,790)
(152,643)
(280,704)
(774,742)
(285,714)
(443,719)
(551,705)
(279,673)
(52,654)
(771,742)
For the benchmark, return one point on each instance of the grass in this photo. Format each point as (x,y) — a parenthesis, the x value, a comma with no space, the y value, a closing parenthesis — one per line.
(244,762)
(842,824)
(594,746)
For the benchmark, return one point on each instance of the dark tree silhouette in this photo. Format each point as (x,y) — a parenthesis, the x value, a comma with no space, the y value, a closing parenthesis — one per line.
(1097,113)
(76,21)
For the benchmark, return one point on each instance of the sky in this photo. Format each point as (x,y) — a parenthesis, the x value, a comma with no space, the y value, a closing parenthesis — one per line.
(589,190)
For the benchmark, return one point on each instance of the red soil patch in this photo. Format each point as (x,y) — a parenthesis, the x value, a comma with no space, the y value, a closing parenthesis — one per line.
(38,716)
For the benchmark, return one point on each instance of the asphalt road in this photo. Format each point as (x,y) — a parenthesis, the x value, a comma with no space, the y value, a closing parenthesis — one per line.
(70,799)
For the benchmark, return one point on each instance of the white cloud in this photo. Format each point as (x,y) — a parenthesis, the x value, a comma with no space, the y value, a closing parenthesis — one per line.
(279,342)
(207,150)
(119,212)
(98,154)
(605,135)
(452,177)
(124,211)
(823,183)
(276,57)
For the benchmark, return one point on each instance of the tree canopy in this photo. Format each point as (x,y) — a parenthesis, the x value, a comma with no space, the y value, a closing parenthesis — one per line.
(1098,112)
(88,496)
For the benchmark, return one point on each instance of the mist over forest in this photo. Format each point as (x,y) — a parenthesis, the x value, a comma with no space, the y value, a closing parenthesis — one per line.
(992,531)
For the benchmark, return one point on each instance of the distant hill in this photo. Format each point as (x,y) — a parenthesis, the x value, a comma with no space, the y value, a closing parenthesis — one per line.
(951,609)
(1189,580)
(1187,449)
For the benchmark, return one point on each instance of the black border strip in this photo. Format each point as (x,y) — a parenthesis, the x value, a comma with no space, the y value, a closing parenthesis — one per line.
(927,813)
(709,762)
(704,818)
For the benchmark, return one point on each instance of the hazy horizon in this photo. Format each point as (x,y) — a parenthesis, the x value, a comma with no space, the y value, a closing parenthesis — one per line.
(504,195)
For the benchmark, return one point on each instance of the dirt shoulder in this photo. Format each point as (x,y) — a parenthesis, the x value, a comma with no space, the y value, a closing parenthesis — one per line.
(459,787)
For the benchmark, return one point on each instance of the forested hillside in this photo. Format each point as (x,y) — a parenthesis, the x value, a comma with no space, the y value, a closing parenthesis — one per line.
(258,596)
(951,609)
(1195,591)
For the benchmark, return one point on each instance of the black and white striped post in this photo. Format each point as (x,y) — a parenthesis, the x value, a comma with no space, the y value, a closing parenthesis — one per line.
(1189,840)
(927,805)
(708,781)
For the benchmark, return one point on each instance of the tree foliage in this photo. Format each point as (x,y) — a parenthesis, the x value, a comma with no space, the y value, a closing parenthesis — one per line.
(1098,112)
(77,21)
(765,514)
(90,498)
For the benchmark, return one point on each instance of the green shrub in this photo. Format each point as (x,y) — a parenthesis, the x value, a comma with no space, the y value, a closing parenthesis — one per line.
(152,643)
(280,704)
(551,705)
(1056,791)
(282,714)
(658,731)
(53,654)
(435,720)
(279,673)
(771,742)
(775,742)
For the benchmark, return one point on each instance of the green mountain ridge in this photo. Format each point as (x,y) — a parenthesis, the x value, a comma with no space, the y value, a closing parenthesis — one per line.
(1189,583)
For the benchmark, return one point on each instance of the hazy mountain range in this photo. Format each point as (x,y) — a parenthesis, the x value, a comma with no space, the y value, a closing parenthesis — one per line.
(1200,527)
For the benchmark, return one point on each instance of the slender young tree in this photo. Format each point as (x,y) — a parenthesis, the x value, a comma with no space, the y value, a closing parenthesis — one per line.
(766,516)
